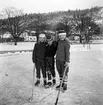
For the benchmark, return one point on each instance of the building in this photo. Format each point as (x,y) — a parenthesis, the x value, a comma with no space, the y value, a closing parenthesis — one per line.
(29,36)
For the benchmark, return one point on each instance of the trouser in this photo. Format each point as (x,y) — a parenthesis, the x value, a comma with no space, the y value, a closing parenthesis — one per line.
(40,67)
(50,67)
(60,68)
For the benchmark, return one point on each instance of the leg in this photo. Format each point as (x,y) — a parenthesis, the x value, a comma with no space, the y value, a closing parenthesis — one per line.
(37,65)
(64,85)
(48,68)
(53,68)
(53,71)
(43,67)
(65,79)
(60,72)
(61,68)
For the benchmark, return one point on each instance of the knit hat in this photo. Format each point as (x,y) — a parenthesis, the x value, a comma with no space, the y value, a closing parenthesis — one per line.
(62,34)
(42,35)
(49,38)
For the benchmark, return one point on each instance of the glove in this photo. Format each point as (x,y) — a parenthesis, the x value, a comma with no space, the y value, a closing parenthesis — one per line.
(66,64)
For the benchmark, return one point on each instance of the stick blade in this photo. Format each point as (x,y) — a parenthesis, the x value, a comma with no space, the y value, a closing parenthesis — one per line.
(56,101)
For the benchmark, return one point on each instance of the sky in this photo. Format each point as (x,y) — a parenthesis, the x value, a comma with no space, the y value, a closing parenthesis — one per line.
(45,6)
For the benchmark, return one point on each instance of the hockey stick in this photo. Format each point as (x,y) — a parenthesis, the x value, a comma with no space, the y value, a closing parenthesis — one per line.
(61,85)
(31,98)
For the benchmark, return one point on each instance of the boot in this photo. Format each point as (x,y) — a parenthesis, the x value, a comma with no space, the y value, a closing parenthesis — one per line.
(49,84)
(58,87)
(64,87)
(54,82)
(45,83)
(37,83)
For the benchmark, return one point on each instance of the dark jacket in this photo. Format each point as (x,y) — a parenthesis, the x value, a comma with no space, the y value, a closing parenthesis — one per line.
(63,50)
(39,51)
(51,49)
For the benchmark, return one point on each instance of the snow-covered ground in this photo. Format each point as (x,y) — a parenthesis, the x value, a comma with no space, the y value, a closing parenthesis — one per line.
(20,46)
(24,46)
(85,80)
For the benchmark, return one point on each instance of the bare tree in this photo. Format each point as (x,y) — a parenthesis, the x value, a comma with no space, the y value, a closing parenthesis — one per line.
(85,24)
(65,24)
(1,28)
(38,23)
(16,22)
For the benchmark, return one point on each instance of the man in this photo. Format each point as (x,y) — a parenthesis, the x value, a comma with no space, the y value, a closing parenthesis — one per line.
(63,59)
(38,58)
(51,48)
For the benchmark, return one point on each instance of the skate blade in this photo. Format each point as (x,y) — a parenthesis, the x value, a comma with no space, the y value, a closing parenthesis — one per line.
(61,90)
(47,87)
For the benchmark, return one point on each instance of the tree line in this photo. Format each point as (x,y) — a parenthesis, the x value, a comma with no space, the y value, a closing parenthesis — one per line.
(82,23)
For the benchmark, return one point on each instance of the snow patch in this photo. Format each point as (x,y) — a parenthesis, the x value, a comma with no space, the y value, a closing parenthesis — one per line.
(15,53)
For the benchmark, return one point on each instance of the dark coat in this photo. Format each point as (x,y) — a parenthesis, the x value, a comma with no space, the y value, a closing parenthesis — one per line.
(63,50)
(39,51)
(51,49)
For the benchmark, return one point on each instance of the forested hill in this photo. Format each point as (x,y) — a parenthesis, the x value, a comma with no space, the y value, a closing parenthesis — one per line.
(72,21)
(55,16)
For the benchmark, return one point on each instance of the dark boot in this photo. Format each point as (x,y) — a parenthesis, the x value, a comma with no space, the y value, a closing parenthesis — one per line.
(49,84)
(37,83)
(64,87)
(54,82)
(58,87)
(45,83)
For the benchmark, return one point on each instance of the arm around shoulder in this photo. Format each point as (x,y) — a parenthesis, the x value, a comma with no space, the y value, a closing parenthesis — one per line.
(34,53)
(67,51)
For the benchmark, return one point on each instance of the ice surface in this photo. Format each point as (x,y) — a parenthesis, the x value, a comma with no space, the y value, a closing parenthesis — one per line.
(85,78)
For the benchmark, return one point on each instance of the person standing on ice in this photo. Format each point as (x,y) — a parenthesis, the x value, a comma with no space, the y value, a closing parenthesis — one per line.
(63,59)
(38,57)
(51,48)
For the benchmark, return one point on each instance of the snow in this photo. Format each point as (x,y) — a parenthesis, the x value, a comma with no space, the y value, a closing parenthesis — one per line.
(28,46)
(21,46)
(85,79)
